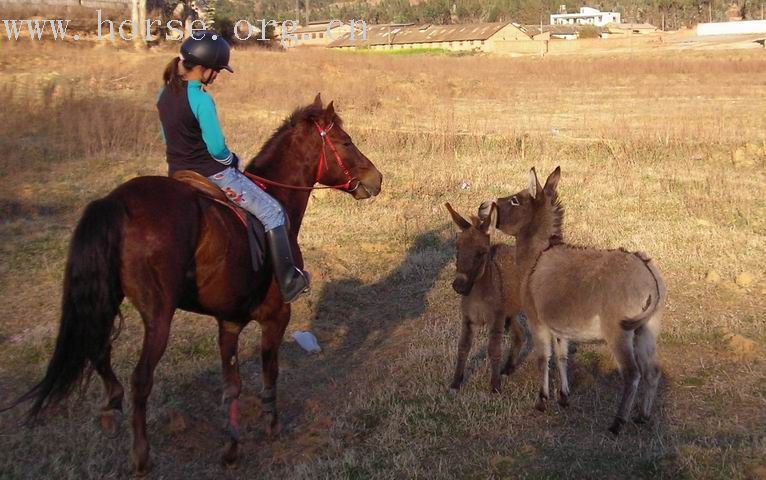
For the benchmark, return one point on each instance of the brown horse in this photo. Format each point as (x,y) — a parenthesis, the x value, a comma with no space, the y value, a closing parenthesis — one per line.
(164,246)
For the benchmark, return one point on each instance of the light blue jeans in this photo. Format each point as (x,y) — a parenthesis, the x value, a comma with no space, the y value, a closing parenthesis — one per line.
(244,193)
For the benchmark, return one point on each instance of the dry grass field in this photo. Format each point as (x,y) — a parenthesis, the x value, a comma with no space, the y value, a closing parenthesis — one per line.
(662,153)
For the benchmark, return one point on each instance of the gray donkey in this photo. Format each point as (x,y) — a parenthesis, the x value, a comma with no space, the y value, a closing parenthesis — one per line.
(486,277)
(582,294)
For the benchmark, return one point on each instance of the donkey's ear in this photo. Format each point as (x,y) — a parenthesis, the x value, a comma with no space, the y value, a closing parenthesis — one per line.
(318,100)
(457,218)
(534,184)
(553,182)
(329,113)
(491,218)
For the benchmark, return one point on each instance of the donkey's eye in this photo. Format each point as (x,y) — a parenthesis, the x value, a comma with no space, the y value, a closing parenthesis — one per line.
(514,201)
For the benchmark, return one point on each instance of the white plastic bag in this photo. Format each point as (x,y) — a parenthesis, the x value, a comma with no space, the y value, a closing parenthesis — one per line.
(307,341)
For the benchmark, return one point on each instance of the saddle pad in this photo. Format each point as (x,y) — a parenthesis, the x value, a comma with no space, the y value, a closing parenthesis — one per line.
(256,233)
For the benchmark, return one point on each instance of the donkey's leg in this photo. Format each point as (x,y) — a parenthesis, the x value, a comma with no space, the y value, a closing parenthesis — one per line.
(156,332)
(495,350)
(622,349)
(271,339)
(646,354)
(517,338)
(463,349)
(561,348)
(110,413)
(228,343)
(542,340)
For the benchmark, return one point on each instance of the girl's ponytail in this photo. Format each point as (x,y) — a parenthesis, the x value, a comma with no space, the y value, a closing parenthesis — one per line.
(173,74)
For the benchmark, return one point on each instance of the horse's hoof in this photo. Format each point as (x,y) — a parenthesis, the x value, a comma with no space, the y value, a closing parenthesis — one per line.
(110,422)
(617,426)
(230,457)
(563,400)
(508,371)
(142,470)
(273,429)
(641,419)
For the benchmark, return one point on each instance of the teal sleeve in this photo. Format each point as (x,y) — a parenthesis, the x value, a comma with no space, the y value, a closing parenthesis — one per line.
(204,110)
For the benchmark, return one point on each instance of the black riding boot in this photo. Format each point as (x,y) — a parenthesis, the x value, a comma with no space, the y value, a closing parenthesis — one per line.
(292,280)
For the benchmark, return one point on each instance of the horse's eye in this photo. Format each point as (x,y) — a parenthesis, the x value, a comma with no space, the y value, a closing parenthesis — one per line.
(514,201)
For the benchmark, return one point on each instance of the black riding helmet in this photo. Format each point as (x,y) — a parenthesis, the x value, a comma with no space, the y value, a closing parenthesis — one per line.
(207,48)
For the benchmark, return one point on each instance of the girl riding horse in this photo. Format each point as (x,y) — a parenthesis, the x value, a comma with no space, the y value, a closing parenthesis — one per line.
(194,141)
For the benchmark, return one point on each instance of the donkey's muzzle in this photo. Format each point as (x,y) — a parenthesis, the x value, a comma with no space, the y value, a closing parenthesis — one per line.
(462,286)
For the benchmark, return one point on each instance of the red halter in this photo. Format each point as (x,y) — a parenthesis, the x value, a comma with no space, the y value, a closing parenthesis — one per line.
(262,182)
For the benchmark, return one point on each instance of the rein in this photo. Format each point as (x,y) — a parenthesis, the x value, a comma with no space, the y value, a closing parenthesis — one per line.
(322,166)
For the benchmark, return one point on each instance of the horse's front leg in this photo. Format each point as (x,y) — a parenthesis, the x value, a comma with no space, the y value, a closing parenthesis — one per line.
(228,343)
(271,339)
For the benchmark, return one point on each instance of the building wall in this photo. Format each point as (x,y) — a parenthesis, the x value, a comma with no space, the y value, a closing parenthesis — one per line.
(317,39)
(95,4)
(598,19)
(732,28)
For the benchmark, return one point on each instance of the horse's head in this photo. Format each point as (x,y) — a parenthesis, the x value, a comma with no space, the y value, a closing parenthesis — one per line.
(336,159)
(473,247)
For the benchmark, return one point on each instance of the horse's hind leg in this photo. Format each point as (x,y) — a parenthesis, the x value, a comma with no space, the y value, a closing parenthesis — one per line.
(271,339)
(622,349)
(156,332)
(110,413)
(228,343)
(646,354)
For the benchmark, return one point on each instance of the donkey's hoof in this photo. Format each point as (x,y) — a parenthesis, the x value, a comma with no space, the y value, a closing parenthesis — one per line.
(540,405)
(641,419)
(110,422)
(563,400)
(617,426)
(508,371)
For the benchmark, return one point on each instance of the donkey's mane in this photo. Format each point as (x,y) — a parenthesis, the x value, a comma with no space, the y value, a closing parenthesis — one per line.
(311,113)
(557,236)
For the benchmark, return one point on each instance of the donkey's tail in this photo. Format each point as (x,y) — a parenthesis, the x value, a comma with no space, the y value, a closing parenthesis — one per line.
(91,299)
(653,302)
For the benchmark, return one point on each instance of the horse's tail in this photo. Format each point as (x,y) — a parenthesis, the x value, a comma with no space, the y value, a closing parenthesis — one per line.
(91,299)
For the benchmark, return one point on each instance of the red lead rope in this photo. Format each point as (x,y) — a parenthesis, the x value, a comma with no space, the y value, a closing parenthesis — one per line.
(262,182)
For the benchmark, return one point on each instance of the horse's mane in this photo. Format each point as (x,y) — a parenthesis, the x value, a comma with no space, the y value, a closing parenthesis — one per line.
(312,113)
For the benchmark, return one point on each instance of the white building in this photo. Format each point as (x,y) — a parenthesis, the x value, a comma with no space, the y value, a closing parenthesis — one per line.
(587,16)
(732,28)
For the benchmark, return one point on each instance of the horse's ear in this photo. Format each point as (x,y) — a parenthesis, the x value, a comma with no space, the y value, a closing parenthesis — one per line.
(329,113)
(457,218)
(318,100)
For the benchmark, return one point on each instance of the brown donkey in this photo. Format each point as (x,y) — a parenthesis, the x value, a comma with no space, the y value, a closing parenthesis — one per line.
(582,294)
(486,277)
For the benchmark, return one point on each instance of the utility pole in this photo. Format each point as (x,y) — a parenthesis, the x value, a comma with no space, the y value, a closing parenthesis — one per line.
(308,10)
